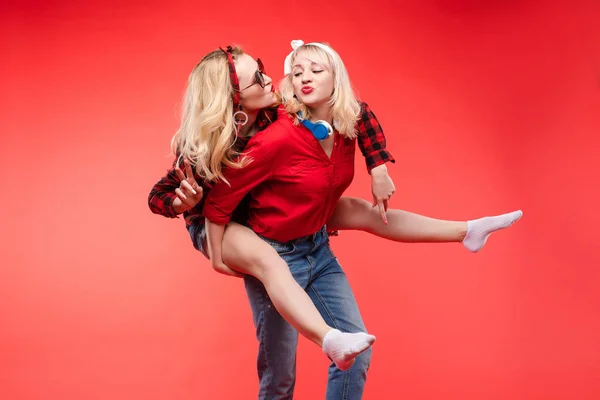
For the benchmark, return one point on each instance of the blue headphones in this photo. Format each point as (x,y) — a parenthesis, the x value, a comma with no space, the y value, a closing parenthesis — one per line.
(320,129)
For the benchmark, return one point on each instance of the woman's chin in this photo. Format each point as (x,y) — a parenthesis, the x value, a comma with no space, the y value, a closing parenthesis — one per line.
(274,99)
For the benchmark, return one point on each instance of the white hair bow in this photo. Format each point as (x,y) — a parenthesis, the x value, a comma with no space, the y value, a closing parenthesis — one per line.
(287,66)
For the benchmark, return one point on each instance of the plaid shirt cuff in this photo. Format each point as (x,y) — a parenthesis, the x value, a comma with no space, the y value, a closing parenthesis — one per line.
(164,205)
(378,158)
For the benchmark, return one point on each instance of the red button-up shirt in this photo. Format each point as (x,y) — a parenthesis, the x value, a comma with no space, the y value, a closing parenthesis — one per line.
(294,185)
(371,141)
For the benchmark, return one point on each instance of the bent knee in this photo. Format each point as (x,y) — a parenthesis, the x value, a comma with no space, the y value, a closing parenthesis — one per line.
(267,256)
(263,263)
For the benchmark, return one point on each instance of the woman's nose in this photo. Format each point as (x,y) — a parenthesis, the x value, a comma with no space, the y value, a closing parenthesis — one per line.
(267,79)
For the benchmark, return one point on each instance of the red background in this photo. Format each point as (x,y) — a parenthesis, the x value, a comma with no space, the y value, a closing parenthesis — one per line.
(487,106)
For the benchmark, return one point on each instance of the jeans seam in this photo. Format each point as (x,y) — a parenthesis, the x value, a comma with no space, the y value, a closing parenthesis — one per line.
(263,330)
(345,385)
(336,326)
(292,251)
(316,292)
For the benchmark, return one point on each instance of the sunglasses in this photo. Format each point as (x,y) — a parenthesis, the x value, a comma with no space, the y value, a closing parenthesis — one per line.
(258,76)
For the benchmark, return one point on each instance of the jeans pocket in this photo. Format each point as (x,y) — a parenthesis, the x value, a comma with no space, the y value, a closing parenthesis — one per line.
(282,248)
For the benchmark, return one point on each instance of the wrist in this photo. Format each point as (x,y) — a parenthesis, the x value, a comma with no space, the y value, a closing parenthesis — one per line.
(379,170)
(179,207)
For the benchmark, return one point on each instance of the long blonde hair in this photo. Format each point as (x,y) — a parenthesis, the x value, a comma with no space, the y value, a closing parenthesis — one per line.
(207,132)
(345,108)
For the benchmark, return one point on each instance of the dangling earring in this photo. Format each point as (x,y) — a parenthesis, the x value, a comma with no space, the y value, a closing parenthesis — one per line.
(239,122)
(243,117)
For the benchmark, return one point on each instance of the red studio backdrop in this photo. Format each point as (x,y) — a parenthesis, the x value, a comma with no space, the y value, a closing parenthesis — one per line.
(488,106)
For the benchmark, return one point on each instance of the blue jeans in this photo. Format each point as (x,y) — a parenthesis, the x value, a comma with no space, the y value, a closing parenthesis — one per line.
(199,240)
(317,271)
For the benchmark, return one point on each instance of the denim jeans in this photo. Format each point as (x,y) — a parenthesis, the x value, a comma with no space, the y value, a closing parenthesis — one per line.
(317,271)
(199,240)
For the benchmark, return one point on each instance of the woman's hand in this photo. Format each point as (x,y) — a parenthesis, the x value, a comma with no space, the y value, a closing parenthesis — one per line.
(382,188)
(214,239)
(221,268)
(189,193)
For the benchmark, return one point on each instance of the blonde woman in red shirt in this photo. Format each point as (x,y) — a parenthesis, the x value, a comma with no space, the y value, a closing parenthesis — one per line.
(296,183)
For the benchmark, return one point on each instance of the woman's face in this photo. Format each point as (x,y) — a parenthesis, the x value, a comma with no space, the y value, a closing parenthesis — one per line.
(312,81)
(253,96)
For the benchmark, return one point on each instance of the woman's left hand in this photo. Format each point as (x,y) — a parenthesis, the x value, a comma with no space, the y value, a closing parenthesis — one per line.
(221,268)
(382,188)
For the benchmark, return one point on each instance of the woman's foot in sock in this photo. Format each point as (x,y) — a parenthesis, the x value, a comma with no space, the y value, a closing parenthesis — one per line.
(478,230)
(342,348)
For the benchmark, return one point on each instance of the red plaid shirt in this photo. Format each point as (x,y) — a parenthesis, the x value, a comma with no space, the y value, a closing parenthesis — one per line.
(371,141)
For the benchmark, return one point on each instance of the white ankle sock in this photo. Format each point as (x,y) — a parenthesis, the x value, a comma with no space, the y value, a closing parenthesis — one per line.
(342,348)
(478,230)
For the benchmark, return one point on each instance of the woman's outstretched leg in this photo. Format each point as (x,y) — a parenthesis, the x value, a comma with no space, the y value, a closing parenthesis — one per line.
(357,214)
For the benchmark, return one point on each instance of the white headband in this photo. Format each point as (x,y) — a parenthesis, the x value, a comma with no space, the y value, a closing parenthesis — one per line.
(287,67)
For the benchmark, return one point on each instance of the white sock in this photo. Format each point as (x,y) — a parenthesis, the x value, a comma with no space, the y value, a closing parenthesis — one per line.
(342,348)
(478,230)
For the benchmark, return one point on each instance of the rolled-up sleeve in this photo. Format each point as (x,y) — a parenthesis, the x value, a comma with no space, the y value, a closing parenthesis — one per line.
(371,139)
(162,195)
